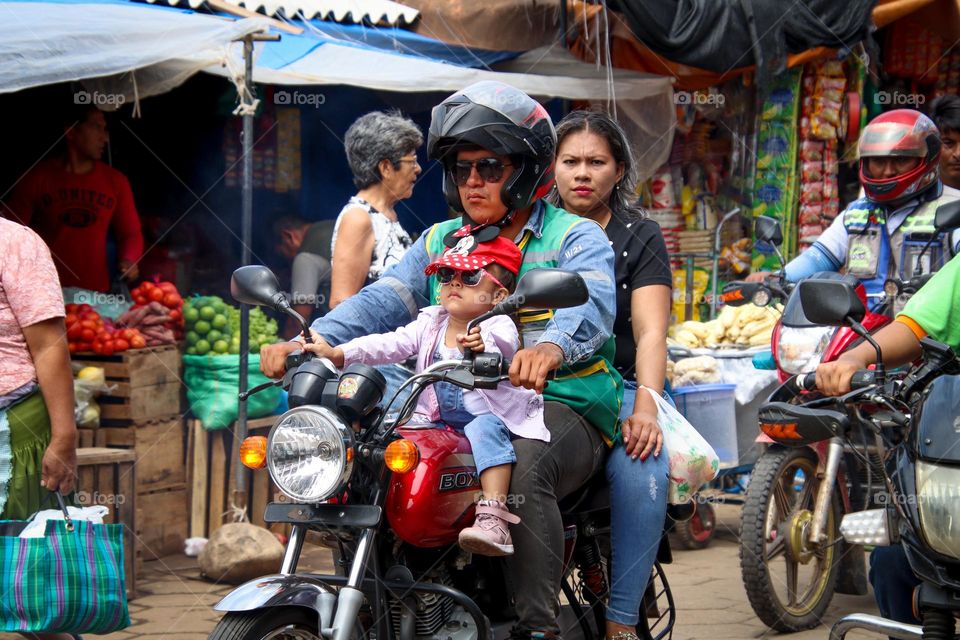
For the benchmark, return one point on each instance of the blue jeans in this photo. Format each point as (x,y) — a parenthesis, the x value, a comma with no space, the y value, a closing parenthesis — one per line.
(638,502)
(893,583)
(489,437)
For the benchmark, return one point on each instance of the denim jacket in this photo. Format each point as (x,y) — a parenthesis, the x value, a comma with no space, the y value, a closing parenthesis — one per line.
(396,298)
(521,410)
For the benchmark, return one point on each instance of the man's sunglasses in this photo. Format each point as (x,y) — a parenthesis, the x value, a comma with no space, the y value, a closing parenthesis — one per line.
(489,170)
(469,278)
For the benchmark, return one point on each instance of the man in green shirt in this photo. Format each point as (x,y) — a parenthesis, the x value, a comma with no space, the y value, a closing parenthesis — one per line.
(933,311)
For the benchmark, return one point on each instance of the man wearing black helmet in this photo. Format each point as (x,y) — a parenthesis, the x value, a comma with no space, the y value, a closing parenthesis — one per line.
(497,147)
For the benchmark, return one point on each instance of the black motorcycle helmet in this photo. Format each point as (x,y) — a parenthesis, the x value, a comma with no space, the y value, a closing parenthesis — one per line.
(506,121)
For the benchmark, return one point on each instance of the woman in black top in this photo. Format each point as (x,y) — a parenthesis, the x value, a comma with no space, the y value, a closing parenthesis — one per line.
(596,178)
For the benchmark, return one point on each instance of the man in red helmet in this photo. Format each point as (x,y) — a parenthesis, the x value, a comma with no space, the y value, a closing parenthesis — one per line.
(883,234)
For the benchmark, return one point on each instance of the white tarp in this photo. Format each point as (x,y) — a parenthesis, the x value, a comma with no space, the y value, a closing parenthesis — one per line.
(46,43)
(359,11)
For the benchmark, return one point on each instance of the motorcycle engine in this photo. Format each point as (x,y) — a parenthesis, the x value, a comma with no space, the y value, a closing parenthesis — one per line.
(433,611)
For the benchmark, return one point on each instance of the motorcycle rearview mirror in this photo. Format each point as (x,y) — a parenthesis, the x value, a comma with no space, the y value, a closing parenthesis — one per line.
(947,216)
(835,303)
(256,285)
(767,229)
(541,289)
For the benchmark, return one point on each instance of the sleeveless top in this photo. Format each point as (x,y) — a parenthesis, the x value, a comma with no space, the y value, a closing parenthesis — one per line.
(390,240)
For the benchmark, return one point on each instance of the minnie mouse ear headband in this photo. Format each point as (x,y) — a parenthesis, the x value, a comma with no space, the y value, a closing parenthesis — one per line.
(469,254)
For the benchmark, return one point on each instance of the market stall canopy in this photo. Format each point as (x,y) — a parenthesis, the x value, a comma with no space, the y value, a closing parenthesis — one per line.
(630,52)
(360,11)
(48,42)
(490,24)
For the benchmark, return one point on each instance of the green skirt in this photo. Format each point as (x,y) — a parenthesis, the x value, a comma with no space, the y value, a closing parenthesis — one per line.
(29,438)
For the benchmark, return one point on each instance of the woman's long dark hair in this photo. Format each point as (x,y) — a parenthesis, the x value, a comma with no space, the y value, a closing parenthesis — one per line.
(623,199)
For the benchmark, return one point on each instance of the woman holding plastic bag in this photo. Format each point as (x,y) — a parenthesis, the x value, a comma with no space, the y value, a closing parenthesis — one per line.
(596,179)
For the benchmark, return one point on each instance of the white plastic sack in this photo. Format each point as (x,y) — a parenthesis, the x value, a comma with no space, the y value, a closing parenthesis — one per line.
(692,461)
(38,525)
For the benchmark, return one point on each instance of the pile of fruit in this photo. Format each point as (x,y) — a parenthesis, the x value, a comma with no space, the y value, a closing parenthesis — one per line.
(157,312)
(87,331)
(213,327)
(746,326)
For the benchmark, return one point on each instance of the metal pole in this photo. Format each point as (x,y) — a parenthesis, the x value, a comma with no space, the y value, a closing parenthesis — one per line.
(246,234)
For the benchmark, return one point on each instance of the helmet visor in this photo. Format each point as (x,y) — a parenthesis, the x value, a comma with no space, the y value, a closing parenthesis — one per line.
(892,139)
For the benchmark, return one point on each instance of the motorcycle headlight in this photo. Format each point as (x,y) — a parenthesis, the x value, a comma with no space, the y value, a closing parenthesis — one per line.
(799,349)
(938,497)
(310,453)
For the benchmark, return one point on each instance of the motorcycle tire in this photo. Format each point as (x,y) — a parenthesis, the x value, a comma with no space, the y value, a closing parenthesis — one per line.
(759,528)
(697,531)
(279,622)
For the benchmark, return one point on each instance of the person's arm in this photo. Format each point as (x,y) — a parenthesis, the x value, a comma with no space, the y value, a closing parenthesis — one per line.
(307,272)
(573,335)
(828,253)
(352,254)
(47,342)
(126,228)
(382,306)
(650,319)
(898,342)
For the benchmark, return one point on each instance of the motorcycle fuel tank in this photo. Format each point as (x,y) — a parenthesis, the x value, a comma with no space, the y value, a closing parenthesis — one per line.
(427,507)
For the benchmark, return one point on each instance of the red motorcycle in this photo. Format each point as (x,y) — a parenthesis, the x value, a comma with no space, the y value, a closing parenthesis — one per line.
(392,499)
(792,557)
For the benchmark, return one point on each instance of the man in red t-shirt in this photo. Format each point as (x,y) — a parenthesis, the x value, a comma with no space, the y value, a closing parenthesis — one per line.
(74,201)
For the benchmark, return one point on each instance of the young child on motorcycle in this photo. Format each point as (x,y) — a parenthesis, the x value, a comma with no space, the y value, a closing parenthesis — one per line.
(473,277)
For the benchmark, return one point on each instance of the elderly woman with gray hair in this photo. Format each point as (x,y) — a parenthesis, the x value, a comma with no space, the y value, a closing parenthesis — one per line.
(367,238)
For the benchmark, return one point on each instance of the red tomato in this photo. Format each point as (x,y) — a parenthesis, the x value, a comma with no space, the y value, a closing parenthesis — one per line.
(103,336)
(74,333)
(106,349)
(71,318)
(88,315)
(71,308)
(168,287)
(73,346)
(84,308)
(136,291)
(97,346)
(127,334)
(156,295)
(175,315)
(84,346)
(146,286)
(88,335)
(89,324)
(171,300)
(138,342)
(141,300)
(120,345)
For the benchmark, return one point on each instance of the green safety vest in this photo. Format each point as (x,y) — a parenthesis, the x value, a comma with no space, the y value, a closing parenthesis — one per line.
(919,222)
(593,387)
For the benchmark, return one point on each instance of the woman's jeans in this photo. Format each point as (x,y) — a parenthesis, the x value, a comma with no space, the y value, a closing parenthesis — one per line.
(638,500)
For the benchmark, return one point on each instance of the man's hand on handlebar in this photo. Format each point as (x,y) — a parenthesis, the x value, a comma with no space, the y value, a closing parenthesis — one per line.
(833,378)
(758,276)
(530,367)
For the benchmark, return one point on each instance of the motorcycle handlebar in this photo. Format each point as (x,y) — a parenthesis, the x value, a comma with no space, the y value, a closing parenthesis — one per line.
(861,379)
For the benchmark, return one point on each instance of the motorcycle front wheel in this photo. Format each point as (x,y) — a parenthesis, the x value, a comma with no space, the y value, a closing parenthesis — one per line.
(788,581)
(281,623)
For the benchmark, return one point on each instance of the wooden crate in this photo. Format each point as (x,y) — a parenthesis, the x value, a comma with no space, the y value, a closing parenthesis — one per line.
(212,457)
(108,477)
(146,384)
(159,448)
(161,522)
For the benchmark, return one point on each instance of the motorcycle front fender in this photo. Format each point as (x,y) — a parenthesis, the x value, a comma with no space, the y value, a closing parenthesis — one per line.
(279,590)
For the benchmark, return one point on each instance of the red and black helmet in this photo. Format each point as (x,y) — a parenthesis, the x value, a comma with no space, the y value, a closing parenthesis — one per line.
(505,121)
(901,133)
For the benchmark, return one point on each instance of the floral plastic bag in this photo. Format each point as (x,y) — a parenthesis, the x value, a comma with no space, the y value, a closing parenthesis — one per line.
(693,462)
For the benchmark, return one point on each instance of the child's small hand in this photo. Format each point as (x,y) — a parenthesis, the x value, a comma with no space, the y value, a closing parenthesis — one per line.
(472,341)
(322,350)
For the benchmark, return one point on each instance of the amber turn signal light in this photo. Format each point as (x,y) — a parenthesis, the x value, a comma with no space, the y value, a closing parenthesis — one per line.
(781,430)
(401,456)
(253,452)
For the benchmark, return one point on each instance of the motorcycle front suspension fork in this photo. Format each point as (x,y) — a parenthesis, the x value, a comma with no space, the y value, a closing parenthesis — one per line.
(821,508)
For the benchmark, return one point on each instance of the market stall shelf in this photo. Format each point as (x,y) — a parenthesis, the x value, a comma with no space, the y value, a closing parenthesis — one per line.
(108,477)
(159,448)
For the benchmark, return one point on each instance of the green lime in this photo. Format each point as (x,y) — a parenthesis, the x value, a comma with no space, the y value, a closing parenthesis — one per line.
(213,335)
(221,346)
(235,349)
(208,313)
(218,306)
(192,337)
(202,327)
(219,321)
(202,347)
(191,314)
(191,351)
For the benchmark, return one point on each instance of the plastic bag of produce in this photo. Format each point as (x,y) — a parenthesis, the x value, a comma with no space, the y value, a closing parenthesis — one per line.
(213,382)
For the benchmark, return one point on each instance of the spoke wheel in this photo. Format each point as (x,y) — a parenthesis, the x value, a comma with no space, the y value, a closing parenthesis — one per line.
(697,532)
(789,582)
